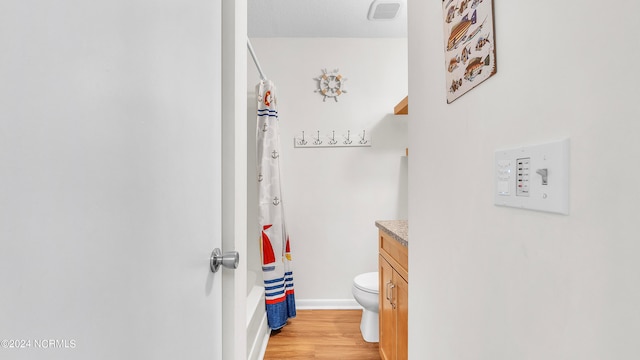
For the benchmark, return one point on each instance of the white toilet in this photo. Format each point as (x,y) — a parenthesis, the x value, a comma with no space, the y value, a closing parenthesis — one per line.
(365,291)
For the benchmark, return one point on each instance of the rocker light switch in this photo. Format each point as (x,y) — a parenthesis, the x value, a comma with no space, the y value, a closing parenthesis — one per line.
(540,177)
(503,187)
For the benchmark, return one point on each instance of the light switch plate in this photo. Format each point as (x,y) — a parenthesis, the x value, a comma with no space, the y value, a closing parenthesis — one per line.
(520,174)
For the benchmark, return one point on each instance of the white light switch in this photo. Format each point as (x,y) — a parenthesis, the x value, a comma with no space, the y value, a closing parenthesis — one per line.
(503,188)
(504,177)
(539,174)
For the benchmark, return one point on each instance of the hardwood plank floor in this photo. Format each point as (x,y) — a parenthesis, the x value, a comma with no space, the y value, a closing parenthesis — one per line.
(321,334)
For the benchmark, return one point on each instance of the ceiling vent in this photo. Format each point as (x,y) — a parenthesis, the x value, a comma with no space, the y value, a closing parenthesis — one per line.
(383,10)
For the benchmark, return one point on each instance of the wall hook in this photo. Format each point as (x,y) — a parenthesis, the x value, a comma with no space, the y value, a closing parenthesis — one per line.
(317,140)
(333,140)
(348,141)
(362,138)
(302,141)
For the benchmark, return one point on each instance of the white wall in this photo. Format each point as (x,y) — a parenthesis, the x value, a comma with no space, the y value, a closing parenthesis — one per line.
(501,283)
(334,196)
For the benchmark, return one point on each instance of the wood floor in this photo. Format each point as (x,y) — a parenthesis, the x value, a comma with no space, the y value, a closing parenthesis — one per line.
(321,334)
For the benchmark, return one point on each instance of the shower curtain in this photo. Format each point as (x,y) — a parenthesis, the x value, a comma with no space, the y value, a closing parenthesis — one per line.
(274,239)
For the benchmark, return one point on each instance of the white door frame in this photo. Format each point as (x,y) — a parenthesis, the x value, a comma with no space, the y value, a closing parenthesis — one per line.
(234,175)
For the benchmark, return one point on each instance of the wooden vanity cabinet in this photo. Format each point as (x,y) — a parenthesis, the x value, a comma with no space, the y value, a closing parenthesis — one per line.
(394,306)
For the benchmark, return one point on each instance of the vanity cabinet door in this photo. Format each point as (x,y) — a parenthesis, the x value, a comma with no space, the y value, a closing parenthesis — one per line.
(387,318)
(402,317)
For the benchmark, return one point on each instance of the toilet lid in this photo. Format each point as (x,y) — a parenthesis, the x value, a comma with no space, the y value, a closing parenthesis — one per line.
(367,282)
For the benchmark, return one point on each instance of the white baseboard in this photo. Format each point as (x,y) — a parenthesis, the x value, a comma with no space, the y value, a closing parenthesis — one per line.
(255,299)
(327,304)
(260,342)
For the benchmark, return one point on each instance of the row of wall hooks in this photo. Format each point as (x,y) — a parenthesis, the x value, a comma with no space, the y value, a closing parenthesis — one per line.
(332,138)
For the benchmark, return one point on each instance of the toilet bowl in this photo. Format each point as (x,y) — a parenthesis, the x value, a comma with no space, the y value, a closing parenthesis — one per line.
(365,291)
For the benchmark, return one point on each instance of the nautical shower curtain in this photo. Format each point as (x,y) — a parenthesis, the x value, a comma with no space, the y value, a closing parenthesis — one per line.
(274,239)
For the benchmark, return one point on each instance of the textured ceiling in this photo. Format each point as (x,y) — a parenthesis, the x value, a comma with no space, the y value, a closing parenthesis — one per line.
(320,18)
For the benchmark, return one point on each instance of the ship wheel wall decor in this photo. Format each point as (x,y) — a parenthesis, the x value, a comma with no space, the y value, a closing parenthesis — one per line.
(330,84)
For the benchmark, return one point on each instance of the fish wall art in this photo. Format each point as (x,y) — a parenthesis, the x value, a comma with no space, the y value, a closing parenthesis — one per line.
(469,44)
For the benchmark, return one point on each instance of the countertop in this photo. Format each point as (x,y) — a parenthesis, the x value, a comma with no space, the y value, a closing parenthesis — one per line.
(398,229)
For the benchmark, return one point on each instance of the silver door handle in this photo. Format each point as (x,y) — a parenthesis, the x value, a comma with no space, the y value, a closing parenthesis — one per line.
(229,259)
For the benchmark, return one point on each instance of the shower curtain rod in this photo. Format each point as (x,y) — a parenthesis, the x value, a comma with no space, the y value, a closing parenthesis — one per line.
(255,60)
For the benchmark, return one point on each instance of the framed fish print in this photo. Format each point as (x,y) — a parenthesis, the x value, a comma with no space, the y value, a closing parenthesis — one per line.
(469,44)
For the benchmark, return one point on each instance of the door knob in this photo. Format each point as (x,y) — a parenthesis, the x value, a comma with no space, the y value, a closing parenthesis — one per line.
(229,259)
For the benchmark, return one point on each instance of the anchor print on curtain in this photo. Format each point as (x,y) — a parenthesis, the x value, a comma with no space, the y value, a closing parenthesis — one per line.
(274,239)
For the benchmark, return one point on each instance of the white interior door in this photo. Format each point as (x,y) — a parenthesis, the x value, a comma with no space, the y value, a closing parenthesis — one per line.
(109,179)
